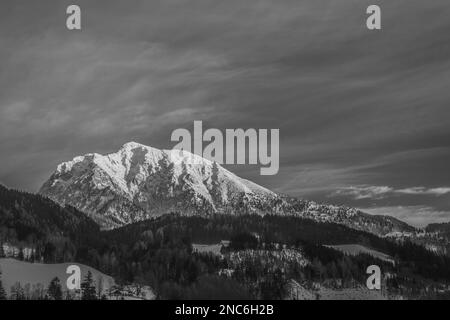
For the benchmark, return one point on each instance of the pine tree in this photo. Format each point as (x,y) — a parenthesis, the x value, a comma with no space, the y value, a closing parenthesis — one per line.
(2,253)
(88,288)
(2,290)
(17,292)
(54,290)
(100,288)
(21,256)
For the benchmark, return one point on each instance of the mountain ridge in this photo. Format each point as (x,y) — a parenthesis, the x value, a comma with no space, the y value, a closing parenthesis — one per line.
(139,182)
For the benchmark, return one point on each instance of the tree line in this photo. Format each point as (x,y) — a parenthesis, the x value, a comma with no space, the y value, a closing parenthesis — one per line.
(53,291)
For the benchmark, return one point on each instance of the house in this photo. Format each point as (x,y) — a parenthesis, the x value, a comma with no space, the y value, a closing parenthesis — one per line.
(11,251)
(225,243)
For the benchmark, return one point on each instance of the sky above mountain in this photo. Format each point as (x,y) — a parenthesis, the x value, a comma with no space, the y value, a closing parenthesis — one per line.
(363,115)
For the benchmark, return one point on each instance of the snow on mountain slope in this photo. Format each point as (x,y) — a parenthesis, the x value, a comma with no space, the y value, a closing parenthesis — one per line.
(355,249)
(139,182)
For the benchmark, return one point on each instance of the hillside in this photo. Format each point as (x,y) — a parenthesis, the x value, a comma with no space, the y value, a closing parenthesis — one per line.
(53,232)
(36,274)
(356,249)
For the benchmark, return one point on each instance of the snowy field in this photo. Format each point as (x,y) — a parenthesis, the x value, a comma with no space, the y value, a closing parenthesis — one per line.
(350,294)
(298,292)
(355,249)
(37,273)
(207,248)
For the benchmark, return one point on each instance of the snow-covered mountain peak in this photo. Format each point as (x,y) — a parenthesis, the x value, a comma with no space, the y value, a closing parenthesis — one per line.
(139,181)
(133,145)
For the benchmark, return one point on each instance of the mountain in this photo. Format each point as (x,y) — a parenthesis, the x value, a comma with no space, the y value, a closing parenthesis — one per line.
(437,237)
(377,224)
(139,182)
(440,228)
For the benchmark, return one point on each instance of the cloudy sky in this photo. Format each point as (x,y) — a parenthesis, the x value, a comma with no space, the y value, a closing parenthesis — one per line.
(364,116)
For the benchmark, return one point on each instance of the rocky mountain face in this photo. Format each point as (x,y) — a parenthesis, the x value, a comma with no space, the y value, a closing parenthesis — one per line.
(139,182)
(356,219)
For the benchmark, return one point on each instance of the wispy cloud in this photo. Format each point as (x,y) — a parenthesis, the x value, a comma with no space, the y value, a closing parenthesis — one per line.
(137,72)
(365,192)
(421,190)
(381,192)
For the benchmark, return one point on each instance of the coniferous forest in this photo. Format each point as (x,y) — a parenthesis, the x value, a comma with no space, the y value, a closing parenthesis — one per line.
(259,258)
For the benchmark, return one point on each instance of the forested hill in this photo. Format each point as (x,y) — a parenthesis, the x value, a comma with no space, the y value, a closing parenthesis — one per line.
(159,252)
(440,228)
(273,229)
(30,220)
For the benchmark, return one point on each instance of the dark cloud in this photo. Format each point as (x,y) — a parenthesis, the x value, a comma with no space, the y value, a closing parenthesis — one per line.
(354,107)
